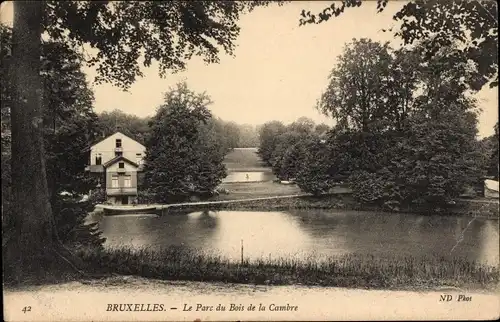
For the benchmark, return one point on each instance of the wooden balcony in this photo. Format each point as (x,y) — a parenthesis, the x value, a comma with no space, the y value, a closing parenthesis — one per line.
(121,191)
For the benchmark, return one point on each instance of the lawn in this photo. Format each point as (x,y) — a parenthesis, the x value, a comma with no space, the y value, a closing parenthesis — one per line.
(244,159)
(247,190)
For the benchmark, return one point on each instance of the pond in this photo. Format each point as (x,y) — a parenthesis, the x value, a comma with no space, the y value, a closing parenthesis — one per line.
(251,176)
(306,234)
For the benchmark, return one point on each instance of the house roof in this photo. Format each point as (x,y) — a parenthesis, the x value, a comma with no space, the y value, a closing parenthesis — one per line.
(101,140)
(119,158)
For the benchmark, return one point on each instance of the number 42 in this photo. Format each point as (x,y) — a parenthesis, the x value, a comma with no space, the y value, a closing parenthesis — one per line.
(26,309)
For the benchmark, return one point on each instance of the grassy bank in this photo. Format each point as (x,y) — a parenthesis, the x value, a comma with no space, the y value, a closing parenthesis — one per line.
(248,190)
(354,271)
(339,200)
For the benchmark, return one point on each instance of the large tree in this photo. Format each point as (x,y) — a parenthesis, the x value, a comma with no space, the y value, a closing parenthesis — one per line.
(31,240)
(69,123)
(357,93)
(430,157)
(183,157)
(121,33)
(470,24)
(374,88)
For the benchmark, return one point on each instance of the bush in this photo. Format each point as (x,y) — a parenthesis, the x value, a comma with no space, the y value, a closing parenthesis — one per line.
(313,175)
(430,163)
(69,216)
(97,196)
(376,188)
(145,197)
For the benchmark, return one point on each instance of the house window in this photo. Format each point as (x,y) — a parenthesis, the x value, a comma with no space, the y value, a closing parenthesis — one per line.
(118,153)
(118,143)
(114,182)
(98,159)
(127,182)
(121,165)
(138,158)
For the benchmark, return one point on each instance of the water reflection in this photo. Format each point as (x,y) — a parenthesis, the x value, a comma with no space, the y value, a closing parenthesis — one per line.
(248,176)
(304,234)
(263,234)
(385,234)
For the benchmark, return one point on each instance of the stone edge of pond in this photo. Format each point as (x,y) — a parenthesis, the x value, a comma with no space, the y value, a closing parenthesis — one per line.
(336,202)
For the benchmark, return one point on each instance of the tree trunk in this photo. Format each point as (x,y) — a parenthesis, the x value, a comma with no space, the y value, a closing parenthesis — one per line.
(32,235)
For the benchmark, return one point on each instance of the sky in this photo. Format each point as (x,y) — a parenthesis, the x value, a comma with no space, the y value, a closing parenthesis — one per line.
(278,70)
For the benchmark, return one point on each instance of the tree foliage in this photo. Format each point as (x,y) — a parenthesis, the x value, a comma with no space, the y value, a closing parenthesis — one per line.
(284,142)
(417,147)
(357,93)
(284,147)
(69,124)
(132,126)
(376,88)
(490,148)
(227,133)
(313,174)
(183,157)
(120,32)
(128,31)
(268,134)
(249,136)
(471,25)
(431,163)
(66,123)
(69,120)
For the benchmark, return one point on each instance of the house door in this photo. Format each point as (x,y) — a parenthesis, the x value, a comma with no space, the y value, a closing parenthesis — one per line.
(124,200)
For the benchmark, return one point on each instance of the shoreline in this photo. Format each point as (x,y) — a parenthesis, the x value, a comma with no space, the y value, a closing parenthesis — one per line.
(353,271)
(488,209)
(463,207)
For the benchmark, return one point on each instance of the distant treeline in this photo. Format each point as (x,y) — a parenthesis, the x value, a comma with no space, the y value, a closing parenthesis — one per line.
(232,135)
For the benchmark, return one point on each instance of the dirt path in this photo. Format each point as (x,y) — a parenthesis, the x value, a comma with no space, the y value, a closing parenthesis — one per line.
(90,301)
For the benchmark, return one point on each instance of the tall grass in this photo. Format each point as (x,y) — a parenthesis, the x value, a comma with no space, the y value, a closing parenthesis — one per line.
(360,271)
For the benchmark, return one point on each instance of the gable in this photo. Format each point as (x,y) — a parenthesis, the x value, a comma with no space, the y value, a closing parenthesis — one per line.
(127,142)
(118,159)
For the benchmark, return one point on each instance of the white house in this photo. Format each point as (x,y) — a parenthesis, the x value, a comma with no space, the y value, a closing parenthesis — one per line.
(117,161)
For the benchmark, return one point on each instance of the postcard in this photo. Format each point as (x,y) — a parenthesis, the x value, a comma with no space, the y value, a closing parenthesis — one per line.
(250,160)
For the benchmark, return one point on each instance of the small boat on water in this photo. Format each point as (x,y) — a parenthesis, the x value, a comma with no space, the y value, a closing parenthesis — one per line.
(123,210)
